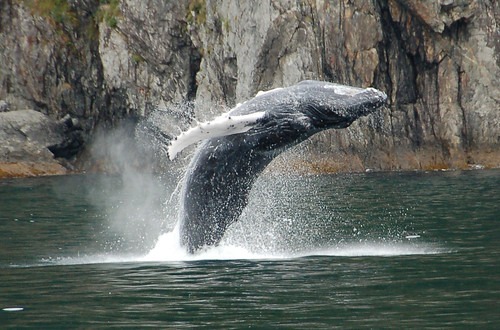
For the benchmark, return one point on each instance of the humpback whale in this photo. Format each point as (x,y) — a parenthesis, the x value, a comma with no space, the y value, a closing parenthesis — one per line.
(237,146)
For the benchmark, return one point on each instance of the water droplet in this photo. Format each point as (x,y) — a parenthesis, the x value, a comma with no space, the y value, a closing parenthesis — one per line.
(13,309)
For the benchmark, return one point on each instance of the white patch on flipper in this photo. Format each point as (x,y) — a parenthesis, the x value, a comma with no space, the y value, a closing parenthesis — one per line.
(344,90)
(221,126)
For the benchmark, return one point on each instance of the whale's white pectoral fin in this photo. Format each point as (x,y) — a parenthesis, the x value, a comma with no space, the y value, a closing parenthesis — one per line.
(221,126)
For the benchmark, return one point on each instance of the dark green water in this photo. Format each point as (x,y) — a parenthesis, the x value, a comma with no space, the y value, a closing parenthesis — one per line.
(377,250)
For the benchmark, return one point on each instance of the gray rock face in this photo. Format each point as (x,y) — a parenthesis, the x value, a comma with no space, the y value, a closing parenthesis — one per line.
(149,56)
(439,62)
(26,135)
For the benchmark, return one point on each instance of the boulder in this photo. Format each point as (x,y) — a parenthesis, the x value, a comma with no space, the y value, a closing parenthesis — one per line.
(27,135)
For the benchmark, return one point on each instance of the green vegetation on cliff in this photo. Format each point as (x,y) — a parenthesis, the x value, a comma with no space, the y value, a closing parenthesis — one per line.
(109,11)
(197,12)
(62,13)
(58,11)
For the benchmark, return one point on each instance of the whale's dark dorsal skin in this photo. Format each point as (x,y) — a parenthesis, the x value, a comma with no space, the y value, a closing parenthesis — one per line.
(224,167)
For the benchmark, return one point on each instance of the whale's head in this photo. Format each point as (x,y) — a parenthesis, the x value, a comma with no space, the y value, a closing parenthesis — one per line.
(329,105)
(295,113)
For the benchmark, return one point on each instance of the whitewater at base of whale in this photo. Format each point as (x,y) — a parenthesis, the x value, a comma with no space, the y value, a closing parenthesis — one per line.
(168,250)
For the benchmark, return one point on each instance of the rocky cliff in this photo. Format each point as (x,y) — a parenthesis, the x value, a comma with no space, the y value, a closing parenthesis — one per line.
(88,65)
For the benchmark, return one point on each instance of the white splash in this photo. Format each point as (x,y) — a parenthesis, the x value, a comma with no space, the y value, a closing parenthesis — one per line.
(169,250)
(375,249)
(223,125)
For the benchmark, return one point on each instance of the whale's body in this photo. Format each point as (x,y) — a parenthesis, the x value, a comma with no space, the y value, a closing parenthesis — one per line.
(237,146)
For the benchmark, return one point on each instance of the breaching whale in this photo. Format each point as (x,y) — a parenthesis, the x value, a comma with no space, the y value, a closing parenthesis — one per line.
(237,146)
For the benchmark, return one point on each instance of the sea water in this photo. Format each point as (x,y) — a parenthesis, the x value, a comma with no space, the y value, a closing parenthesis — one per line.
(372,250)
